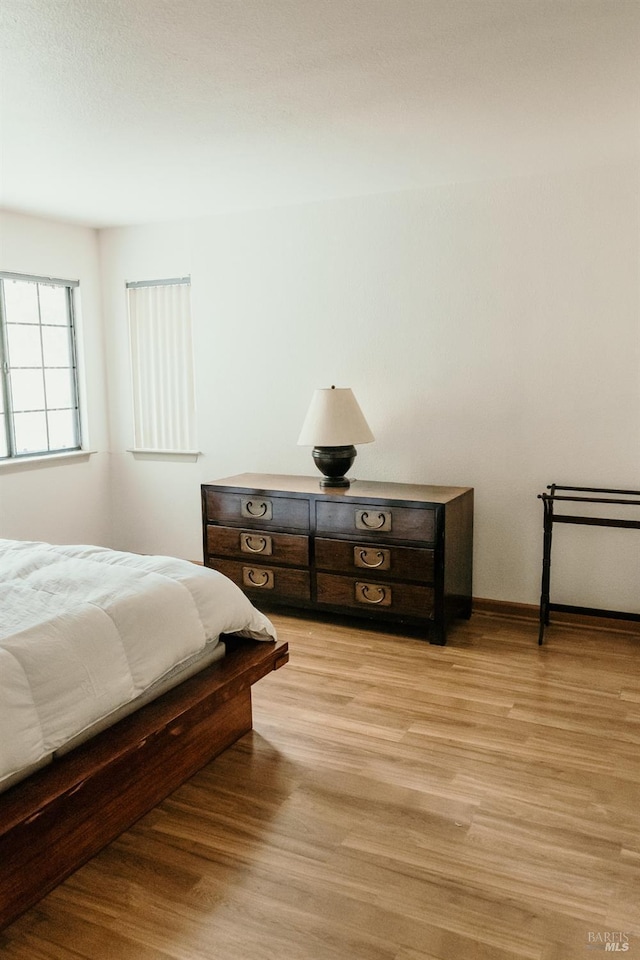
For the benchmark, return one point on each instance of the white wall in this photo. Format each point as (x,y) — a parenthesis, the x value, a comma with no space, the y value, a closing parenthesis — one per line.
(156,504)
(491,332)
(67,500)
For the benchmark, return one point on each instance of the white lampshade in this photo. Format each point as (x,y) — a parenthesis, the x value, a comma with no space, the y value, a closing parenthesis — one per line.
(334,419)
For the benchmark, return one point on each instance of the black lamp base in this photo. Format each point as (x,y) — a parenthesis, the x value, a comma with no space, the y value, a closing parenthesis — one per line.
(334,462)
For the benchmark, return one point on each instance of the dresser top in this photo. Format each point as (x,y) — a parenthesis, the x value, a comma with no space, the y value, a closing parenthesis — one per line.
(359,489)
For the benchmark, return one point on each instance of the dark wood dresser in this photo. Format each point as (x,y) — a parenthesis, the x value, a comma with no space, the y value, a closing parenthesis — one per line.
(393,552)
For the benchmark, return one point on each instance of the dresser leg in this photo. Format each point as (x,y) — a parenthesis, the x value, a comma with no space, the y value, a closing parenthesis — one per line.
(437,635)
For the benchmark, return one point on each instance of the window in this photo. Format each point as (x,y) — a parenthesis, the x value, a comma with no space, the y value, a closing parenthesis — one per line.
(39,387)
(164,410)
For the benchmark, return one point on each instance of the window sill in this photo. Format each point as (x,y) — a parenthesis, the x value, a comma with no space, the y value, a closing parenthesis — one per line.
(183,456)
(45,459)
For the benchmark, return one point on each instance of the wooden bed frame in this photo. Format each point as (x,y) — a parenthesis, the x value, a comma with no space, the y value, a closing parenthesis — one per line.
(61,816)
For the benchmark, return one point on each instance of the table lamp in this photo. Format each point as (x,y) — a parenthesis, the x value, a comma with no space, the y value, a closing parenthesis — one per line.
(333,425)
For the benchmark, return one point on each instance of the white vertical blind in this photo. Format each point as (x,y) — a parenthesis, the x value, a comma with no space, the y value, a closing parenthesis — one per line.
(164,412)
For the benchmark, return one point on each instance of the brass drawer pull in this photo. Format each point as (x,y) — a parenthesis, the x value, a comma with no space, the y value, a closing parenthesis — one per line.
(379,520)
(373,559)
(256,509)
(373,593)
(252,543)
(257,577)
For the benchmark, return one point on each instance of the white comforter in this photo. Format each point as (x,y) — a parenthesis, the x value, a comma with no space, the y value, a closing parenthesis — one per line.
(84,630)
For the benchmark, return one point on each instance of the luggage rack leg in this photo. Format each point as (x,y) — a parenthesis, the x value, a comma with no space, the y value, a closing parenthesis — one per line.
(546,568)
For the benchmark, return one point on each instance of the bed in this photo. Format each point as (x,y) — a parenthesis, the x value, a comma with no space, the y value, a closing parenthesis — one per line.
(120,676)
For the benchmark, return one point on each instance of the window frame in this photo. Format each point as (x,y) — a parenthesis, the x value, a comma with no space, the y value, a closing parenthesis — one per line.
(13,456)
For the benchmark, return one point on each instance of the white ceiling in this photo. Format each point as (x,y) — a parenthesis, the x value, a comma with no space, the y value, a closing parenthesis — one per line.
(129,111)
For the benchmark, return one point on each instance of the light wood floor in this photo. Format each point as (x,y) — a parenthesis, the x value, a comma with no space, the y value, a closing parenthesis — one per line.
(396,801)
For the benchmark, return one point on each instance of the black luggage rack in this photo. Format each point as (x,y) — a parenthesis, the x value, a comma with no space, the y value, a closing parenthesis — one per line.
(579,495)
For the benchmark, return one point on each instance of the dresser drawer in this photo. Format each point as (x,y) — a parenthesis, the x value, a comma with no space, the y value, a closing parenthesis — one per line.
(271,582)
(382,521)
(367,595)
(374,559)
(255,545)
(250,509)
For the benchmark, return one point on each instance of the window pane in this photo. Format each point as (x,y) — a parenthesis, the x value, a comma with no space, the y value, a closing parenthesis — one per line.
(62,429)
(162,366)
(53,305)
(30,432)
(27,390)
(24,346)
(59,388)
(21,301)
(56,346)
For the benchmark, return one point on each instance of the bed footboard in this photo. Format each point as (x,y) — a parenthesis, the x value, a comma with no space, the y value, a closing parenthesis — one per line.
(60,817)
